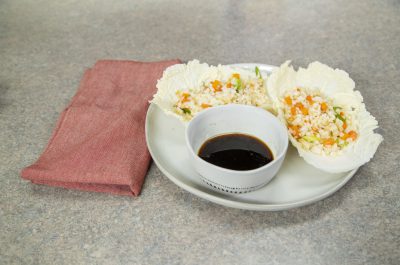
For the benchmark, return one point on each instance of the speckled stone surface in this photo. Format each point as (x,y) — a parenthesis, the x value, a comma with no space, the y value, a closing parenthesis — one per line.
(46,45)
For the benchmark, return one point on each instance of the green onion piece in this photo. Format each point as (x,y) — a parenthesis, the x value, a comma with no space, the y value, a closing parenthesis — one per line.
(337,115)
(238,84)
(336,108)
(311,139)
(258,73)
(186,110)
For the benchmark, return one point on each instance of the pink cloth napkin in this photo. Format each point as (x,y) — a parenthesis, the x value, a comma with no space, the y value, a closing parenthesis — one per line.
(99,141)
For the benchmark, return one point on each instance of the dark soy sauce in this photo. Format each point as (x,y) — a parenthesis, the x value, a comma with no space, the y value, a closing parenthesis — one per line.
(236,151)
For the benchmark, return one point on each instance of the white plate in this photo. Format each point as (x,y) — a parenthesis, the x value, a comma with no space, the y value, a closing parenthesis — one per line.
(295,185)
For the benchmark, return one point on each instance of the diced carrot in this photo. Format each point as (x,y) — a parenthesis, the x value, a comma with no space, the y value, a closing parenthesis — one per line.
(236,75)
(185,97)
(293,110)
(295,130)
(288,100)
(310,99)
(344,126)
(304,111)
(324,106)
(342,114)
(217,86)
(229,85)
(329,141)
(205,105)
(352,134)
(299,105)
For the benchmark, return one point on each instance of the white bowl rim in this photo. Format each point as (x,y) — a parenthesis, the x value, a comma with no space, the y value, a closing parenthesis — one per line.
(238,172)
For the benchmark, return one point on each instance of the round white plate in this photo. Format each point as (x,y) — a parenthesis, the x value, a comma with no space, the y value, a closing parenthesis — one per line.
(296,184)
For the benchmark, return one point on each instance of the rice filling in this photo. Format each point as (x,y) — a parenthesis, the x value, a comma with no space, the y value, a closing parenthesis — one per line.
(316,123)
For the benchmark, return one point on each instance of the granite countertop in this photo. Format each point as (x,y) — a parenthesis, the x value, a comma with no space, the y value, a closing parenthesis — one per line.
(45,46)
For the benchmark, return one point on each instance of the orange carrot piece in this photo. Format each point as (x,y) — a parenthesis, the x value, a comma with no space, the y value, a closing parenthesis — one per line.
(324,106)
(329,141)
(299,105)
(304,111)
(352,134)
(288,100)
(216,85)
(293,111)
(185,97)
(310,99)
(295,130)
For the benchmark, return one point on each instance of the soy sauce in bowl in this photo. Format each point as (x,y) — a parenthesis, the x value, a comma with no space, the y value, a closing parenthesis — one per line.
(236,151)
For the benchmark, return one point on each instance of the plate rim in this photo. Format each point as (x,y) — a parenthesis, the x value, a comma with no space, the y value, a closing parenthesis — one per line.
(237,204)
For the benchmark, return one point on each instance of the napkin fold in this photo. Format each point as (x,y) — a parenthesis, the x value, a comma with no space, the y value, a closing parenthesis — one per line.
(99,141)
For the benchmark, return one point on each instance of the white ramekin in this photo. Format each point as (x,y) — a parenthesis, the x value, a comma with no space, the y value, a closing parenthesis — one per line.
(243,119)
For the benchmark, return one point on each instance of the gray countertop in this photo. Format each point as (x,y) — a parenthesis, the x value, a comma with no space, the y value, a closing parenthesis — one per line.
(46,45)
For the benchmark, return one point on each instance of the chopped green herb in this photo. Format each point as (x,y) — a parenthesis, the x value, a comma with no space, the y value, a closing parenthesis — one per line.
(238,84)
(258,73)
(336,108)
(311,139)
(186,110)
(337,115)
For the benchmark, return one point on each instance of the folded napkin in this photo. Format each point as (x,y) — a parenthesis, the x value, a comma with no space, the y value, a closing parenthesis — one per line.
(99,141)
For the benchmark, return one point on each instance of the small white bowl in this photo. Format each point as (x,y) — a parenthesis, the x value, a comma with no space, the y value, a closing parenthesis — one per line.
(243,119)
